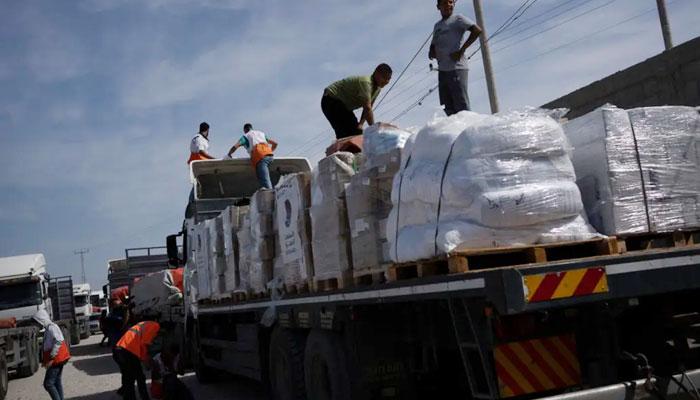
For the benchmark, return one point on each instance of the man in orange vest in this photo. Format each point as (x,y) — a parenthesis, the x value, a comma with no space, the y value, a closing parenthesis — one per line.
(260,149)
(131,350)
(199,146)
(55,354)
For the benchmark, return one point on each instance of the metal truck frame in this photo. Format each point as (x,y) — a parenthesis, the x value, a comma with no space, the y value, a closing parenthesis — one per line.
(489,333)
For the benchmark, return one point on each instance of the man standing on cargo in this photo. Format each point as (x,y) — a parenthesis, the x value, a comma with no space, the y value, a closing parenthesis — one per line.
(448,48)
(260,149)
(342,97)
(199,146)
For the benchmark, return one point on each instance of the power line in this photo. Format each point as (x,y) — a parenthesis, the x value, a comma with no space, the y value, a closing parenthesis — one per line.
(404,70)
(508,22)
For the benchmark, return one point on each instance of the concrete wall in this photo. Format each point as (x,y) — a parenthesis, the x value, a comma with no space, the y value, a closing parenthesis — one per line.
(672,77)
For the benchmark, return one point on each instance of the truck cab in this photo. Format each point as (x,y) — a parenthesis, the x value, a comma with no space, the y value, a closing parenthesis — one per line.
(23,286)
(83,309)
(98,303)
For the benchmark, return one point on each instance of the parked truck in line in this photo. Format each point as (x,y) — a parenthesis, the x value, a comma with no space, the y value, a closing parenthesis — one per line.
(83,308)
(495,329)
(98,303)
(63,307)
(23,292)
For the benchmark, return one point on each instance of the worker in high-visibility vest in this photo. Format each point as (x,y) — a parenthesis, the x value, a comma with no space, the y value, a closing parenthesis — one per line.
(199,146)
(55,354)
(130,352)
(260,148)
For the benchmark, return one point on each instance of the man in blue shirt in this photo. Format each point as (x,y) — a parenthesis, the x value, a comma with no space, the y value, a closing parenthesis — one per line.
(448,47)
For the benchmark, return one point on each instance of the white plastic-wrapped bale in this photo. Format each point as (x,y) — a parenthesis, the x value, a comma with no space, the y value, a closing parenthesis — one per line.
(262,205)
(154,292)
(487,181)
(293,198)
(667,144)
(218,260)
(245,243)
(329,218)
(607,171)
(415,194)
(369,194)
(232,220)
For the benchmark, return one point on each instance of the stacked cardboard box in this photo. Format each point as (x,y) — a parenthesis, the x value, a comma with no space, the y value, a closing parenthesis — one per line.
(257,240)
(293,198)
(232,220)
(329,216)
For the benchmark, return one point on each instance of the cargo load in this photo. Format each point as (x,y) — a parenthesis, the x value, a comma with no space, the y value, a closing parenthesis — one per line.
(203,259)
(156,291)
(329,217)
(638,170)
(232,219)
(218,259)
(474,181)
(369,194)
(259,241)
(292,200)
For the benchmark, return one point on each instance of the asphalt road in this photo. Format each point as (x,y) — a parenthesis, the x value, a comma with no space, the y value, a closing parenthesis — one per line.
(91,374)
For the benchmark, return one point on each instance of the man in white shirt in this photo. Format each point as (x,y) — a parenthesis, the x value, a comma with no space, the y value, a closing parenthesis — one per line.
(199,146)
(260,149)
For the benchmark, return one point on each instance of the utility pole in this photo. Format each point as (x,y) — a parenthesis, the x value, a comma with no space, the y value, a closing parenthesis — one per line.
(82,260)
(486,56)
(665,26)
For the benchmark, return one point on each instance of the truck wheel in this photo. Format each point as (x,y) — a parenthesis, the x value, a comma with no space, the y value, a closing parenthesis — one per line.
(3,375)
(66,335)
(287,365)
(32,363)
(325,367)
(74,335)
(203,373)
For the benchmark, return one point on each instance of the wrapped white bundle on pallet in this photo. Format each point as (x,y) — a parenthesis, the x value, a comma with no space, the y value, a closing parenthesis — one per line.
(329,219)
(218,260)
(262,246)
(293,198)
(232,220)
(245,243)
(667,144)
(497,181)
(202,260)
(605,161)
(638,170)
(369,194)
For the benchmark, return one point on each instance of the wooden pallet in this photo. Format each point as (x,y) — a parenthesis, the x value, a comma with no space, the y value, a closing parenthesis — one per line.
(342,281)
(299,288)
(461,261)
(659,240)
(370,276)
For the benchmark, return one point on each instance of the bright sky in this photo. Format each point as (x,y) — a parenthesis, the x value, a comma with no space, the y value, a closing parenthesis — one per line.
(100,98)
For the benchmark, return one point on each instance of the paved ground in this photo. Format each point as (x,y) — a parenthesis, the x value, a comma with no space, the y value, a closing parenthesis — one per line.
(92,375)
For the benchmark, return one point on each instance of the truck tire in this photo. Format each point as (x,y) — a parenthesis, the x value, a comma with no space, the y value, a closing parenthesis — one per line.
(325,367)
(32,364)
(204,374)
(74,334)
(66,335)
(287,365)
(3,375)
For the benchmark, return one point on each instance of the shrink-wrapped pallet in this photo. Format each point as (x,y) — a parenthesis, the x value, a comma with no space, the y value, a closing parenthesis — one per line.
(262,236)
(218,260)
(475,181)
(293,198)
(329,219)
(369,194)
(232,220)
(202,260)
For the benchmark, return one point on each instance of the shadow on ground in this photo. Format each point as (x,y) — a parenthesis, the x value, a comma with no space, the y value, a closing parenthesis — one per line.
(89,350)
(99,365)
(108,395)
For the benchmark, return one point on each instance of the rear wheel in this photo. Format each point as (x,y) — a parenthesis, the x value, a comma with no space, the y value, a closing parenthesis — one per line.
(3,375)
(74,334)
(325,367)
(32,354)
(287,365)
(204,374)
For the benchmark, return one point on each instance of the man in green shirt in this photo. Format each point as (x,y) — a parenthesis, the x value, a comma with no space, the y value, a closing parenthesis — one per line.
(342,97)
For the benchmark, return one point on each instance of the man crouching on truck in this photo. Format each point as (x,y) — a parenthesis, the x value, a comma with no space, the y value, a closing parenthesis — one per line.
(260,149)
(130,352)
(55,354)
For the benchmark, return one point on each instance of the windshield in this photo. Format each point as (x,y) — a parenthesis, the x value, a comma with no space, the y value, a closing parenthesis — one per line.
(20,295)
(81,301)
(95,300)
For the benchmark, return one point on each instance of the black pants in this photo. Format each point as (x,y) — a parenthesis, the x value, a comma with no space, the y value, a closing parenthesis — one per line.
(130,367)
(343,121)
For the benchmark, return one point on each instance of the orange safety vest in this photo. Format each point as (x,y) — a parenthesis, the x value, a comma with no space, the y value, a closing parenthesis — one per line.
(260,151)
(138,337)
(62,356)
(196,157)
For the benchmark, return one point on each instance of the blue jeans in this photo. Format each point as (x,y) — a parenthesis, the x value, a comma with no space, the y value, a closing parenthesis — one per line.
(263,172)
(52,382)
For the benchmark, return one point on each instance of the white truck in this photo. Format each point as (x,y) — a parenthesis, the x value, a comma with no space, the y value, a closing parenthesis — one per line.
(98,301)
(83,308)
(23,291)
